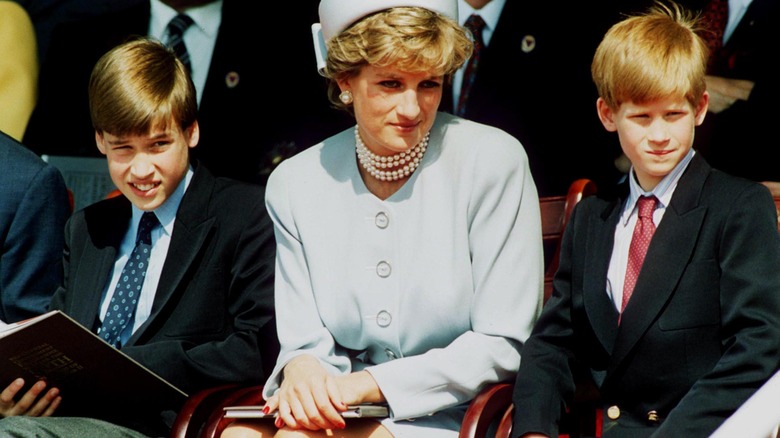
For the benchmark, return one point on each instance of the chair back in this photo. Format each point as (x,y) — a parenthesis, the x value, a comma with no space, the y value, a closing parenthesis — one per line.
(555,212)
(777,206)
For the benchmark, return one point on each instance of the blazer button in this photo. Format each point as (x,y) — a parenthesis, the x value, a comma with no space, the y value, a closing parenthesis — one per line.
(613,412)
(383,318)
(383,269)
(652,416)
(381,220)
(390,354)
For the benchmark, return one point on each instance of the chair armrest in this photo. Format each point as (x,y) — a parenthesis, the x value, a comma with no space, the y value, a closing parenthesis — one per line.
(487,407)
(193,414)
(244,396)
(505,425)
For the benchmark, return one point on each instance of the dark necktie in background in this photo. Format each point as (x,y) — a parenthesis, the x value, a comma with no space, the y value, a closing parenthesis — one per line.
(176,28)
(121,310)
(640,241)
(715,16)
(475,24)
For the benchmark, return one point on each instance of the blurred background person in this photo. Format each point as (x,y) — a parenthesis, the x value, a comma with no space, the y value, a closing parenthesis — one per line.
(533,63)
(18,69)
(251,113)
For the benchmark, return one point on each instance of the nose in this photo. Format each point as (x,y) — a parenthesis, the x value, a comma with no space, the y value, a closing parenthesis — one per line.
(142,167)
(659,131)
(409,104)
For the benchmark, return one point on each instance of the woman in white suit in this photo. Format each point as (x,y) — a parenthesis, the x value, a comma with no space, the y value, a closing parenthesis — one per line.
(409,253)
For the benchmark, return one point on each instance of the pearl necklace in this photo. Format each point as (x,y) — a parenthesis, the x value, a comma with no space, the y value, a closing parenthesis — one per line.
(393,167)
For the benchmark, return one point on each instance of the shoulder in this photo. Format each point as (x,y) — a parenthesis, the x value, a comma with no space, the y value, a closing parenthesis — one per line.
(462,134)
(479,144)
(16,160)
(723,189)
(326,160)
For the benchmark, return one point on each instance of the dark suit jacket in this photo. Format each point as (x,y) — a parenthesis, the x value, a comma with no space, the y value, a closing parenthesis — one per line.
(212,317)
(701,332)
(277,107)
(542,93)
(33,210)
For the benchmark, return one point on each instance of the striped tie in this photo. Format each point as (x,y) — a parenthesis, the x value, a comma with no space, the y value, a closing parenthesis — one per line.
(176,29)
(475,24)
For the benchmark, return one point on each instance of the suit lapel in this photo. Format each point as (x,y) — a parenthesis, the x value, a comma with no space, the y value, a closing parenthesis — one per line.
(668,255)
(191,229)
(107,231)
(601,312)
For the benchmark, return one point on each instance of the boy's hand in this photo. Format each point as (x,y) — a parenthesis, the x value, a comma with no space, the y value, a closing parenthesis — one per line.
(32,403)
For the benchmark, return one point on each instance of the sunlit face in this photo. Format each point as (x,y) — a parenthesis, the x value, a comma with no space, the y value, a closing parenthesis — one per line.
(655,136)
(148,168)
(394,109)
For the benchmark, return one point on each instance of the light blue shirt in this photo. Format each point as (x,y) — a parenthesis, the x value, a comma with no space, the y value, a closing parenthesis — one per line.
(491,12)
(625,227)
(161,240)
(200,38)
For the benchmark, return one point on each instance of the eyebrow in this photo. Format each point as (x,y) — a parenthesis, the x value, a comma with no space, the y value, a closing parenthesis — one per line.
(121,140)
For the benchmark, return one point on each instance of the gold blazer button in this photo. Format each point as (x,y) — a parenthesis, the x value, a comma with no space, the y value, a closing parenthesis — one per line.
(652,416)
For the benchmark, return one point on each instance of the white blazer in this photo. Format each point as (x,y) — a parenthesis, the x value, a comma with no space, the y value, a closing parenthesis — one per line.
(433,290)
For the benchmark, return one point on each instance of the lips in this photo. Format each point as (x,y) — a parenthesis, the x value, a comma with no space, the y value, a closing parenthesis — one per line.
(144,187)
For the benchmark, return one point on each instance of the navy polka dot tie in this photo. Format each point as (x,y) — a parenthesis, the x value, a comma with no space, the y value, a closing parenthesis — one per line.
(121,310)
(176,28)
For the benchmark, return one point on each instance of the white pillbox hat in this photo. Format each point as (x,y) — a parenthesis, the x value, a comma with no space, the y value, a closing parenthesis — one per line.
(337,15)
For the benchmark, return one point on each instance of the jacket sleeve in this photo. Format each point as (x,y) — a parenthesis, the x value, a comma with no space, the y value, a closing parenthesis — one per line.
(31,261)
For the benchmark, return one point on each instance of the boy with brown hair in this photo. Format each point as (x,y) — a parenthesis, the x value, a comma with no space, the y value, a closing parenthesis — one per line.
(668,295)
(203,313)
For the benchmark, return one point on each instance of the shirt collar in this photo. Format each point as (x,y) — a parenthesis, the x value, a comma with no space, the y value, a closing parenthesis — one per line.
(206,18)
(166,213)
(491,12)
(663,191)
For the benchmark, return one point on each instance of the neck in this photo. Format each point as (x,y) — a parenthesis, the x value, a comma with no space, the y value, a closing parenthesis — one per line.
(380,189)
(477,4)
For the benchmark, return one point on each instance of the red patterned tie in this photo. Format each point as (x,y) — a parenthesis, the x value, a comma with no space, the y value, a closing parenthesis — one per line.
(715,15)
(475,24)
(643,233)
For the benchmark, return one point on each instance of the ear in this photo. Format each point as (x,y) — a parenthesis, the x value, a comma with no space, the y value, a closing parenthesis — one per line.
(193,134)
(701,108)
(344,84)
(606,115)
(101,142)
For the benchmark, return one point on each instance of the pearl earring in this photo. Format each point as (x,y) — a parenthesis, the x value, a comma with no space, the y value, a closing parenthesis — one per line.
(346,97)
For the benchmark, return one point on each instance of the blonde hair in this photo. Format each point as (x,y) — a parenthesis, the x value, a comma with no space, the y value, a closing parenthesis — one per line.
(652,56)
(140,85)
(410,38)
